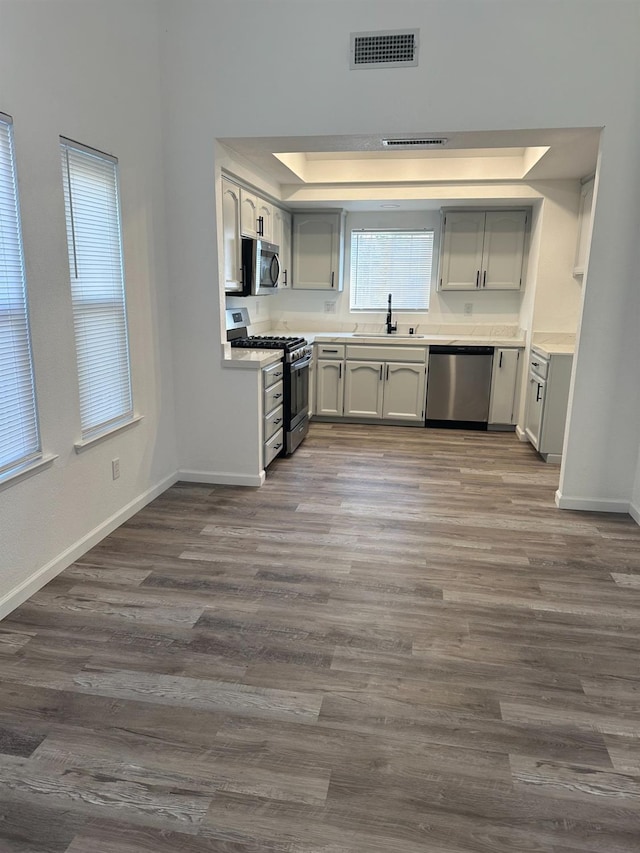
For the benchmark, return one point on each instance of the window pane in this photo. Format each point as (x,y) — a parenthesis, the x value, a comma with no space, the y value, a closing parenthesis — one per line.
(396,262)
(97,288)
(19,436)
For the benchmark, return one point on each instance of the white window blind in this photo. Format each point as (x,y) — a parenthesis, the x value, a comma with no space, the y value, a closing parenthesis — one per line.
(97,287)
(396,262)
(19,437)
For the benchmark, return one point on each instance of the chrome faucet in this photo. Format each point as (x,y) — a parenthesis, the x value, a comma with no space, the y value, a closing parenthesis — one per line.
(391,327)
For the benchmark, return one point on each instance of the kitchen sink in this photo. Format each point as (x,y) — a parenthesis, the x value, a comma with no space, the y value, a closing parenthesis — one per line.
(388,337)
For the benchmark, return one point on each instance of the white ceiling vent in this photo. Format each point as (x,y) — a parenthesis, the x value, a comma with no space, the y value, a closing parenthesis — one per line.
(428,142)
(384,49)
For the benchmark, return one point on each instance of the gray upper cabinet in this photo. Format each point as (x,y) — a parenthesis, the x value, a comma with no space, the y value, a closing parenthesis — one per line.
(318,247)
(483,249)
(282,238)
(248,213)
(232,242)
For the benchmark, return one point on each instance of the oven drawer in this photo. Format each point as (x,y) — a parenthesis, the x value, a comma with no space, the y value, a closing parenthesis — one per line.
(273,397)
(273,447)
(273,422)
(272,374)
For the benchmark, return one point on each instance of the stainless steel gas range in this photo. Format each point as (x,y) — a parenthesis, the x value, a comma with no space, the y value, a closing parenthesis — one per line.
(296,357)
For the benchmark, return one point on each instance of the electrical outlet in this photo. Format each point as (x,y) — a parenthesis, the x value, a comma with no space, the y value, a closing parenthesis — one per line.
(115,468)
(329,307)
(468,308)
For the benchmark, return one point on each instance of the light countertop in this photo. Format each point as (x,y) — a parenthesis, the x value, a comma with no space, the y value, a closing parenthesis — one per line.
(547,350)
(251,359)
(408,340)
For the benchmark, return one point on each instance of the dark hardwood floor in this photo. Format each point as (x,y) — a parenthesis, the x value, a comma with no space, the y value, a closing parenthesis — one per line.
(397,644)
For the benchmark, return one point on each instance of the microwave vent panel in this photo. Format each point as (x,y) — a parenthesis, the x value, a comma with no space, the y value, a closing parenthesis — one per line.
(384,49)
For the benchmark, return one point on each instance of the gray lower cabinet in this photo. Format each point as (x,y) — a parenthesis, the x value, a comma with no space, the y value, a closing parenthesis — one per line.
(504,384)
(330,387)
(386,383)
(547,401)
(273,419)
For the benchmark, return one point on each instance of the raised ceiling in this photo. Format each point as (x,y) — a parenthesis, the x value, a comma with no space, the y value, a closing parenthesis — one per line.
(332,165)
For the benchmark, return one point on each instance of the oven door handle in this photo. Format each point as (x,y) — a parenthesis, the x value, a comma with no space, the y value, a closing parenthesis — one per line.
(304,362)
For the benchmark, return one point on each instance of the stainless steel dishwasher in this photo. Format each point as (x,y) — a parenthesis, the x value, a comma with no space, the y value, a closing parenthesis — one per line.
(459,386)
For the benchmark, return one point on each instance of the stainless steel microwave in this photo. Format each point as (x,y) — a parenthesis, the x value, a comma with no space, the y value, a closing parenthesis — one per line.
(260,267)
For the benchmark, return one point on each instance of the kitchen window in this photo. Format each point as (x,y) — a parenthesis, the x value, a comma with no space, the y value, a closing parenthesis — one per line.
(391,261)
(19,435)
(97,288)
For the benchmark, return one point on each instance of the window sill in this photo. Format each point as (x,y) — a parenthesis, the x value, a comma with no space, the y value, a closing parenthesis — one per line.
(85,444)
(27,470)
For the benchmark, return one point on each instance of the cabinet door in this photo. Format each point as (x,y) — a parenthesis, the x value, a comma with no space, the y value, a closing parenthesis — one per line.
(265,220)
(404,391)
(535,408)
(232,244)
(503,254)
(461,260)
(329,387)
(503,386)
(317,251)
(248,214)
(282,238)
(363,389)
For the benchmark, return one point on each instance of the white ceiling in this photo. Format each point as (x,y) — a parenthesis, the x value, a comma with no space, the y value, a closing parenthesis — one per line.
(332,165)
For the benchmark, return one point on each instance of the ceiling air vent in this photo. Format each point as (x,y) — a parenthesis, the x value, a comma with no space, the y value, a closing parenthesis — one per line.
(429,142)
(384,49)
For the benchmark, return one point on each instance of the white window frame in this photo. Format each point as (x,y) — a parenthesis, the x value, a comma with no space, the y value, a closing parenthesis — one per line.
(20,446)
(391,278)
(98,292)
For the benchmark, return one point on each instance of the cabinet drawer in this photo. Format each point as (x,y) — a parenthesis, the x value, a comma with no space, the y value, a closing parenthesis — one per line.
(272,374)
(273,447)
(272,423)
(387,353)
(539,364)
(330,350)
(273,397)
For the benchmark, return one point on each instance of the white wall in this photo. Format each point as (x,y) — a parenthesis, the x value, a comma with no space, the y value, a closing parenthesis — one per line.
(306,310)
(571,63)
(88,71)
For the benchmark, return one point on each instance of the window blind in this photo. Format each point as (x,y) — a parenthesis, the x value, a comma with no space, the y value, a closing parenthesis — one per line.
(19,436)
(97,287)
(396,262)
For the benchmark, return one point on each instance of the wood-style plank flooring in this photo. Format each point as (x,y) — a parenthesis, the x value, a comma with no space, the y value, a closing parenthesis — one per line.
(397,644)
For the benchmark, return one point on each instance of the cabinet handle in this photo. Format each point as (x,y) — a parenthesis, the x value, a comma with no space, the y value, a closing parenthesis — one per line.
(277,421)
(477,277)
(381,373)
(261,226)
(535,364)
(277,446)
(387,372)
(500,362)
(277,396)
(538,397)
(340,371)
(484,278)
(330,350)
(284,273)
(332,275)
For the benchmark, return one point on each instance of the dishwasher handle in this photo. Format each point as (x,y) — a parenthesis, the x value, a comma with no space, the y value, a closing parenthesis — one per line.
(460,350)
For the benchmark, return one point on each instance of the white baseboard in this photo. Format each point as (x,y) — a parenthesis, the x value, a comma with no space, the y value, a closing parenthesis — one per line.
(219,478)
(520,433)
(634,512)
(19,594)
(591,504)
